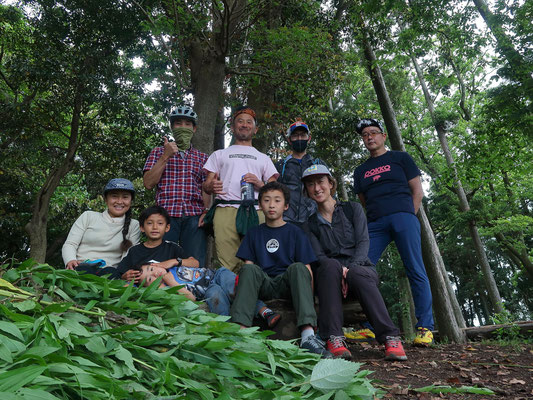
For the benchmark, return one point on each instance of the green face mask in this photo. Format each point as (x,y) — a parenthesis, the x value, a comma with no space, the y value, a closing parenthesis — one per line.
(183,137)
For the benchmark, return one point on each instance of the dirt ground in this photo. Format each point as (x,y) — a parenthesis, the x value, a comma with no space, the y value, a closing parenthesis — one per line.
(506,370)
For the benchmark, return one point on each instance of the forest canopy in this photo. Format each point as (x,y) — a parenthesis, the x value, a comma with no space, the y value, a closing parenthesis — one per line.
(86,87)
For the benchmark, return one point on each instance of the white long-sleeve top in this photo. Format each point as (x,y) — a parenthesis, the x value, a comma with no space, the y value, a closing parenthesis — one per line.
(96,236)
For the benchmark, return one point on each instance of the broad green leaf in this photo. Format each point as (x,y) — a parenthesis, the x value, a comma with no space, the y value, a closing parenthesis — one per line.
(25,305)
(124,355)
(5,353)
(126,295)
(12,329)
(57,308)
(333,374)
(9,287)
(96,345)
(36,394)
(14,379)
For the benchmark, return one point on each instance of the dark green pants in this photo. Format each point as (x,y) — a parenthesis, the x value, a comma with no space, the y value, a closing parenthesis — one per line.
(254,283)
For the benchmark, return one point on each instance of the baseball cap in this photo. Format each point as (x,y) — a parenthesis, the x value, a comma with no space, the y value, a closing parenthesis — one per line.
(296,125)
(316,169)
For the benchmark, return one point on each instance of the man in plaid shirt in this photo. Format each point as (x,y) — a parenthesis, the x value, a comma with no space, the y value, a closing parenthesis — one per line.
(176,168)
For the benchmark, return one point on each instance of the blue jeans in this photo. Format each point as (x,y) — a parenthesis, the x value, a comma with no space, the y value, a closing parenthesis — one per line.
(185,232)
(221,292)
(404,229)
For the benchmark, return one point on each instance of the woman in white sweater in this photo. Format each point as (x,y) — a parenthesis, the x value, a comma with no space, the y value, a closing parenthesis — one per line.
(103,236)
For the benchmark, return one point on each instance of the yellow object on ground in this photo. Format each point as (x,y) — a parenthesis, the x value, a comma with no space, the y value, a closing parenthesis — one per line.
(424,337)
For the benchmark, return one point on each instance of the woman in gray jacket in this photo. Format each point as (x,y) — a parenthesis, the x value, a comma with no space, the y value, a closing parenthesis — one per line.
(339,236)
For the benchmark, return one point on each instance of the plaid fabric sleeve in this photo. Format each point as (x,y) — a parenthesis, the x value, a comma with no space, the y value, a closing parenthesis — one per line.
(154,155)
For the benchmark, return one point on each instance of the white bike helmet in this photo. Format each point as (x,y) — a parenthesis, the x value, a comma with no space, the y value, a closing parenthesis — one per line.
(183,111)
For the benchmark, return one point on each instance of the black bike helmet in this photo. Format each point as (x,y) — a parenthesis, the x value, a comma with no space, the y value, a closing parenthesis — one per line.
(183,111)
(363,123)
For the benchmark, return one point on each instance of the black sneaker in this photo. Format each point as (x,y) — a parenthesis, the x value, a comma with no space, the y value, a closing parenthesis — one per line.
(314,345)
(271,318)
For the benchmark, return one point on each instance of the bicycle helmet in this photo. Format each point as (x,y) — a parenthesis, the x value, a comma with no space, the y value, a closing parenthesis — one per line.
(363,123)
(183,111)
(119,184)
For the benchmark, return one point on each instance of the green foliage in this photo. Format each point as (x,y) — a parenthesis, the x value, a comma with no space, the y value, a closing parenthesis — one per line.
(510,332)
(69,336)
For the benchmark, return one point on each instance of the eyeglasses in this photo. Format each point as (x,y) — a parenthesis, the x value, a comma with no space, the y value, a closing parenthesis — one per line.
(371,133)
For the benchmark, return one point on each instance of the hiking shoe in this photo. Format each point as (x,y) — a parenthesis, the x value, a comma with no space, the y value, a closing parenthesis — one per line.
(337,346)
(360,335)
(315,345)
(424,337)
(394,349)
(271,318)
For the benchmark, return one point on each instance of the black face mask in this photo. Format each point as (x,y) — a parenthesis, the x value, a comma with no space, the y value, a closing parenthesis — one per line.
(299,145)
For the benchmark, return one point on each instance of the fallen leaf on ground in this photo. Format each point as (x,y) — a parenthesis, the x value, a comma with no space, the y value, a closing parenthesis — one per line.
(516,381)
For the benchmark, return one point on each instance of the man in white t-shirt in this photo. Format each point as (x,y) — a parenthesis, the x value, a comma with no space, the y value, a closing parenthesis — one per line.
(225,169)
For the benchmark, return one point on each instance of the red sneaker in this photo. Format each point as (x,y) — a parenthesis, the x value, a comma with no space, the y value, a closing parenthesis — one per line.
(394,349)
(337,346)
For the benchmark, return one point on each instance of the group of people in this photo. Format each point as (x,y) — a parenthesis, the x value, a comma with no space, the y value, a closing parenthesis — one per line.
(279,227)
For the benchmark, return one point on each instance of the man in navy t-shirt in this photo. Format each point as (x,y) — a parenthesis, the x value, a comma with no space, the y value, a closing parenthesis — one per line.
(277,258)
(389,187)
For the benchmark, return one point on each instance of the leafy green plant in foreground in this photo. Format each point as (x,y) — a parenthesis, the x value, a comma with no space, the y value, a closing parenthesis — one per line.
(63,335)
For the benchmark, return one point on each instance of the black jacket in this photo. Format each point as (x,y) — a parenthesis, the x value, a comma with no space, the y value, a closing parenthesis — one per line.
(345,241)
(290,173)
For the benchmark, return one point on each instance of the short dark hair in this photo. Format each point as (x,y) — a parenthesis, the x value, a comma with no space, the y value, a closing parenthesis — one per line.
(151,211)
(275,185)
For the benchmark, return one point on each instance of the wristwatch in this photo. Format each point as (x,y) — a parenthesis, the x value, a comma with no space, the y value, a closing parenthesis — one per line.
(180,261)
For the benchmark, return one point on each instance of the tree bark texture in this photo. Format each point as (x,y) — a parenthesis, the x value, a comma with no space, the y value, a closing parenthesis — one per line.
(464,206)
(207,77)
(37,226)
(442,298)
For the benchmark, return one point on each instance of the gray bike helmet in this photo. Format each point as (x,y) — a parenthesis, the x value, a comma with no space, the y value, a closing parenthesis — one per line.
(119,184)
(183,111)
(363,123)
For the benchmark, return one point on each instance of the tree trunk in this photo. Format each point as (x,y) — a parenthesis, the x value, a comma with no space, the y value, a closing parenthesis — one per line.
(207,77)
(520,68)
(464,206)
(38,224)
(443,300)
(408,307)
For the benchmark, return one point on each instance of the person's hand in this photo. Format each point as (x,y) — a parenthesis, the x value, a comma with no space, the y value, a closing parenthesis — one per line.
(132,275)
(344,283)
(251,178)
(166,264)
(72,264)
(170,148)
(217,186)
(201,220)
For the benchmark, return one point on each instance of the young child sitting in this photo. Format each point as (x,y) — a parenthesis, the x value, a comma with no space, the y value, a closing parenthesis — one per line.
(277,258)
(158,257)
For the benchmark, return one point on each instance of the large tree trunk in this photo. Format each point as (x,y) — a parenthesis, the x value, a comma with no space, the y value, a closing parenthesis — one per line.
(520,68)
(38,224)
(207,77)
(464,206)
(443,300)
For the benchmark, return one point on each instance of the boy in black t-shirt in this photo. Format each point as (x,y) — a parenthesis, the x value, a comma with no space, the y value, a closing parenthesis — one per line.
(277,258)
(154,223)
(158,257)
